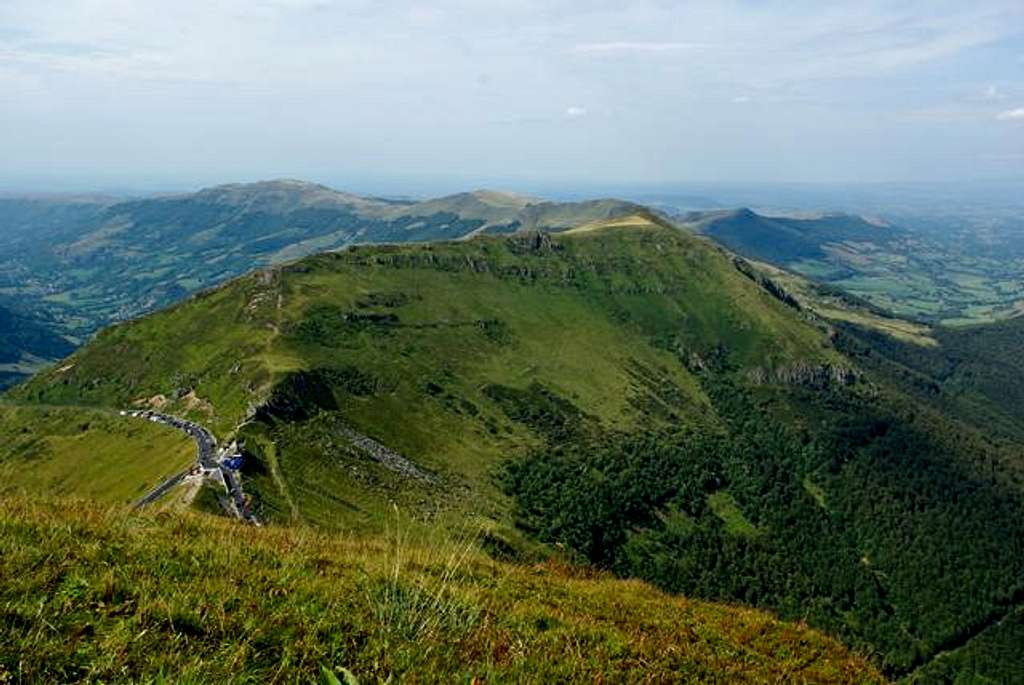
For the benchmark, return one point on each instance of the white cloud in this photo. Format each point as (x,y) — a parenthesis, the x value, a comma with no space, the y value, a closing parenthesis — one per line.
(1011,115)
(575,112)
(741,99)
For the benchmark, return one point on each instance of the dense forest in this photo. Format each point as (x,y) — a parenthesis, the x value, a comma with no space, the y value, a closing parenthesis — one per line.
(861,512)
(975,372)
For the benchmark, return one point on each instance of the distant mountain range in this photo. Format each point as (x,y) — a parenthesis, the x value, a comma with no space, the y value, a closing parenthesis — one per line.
(70,265)
(75,264)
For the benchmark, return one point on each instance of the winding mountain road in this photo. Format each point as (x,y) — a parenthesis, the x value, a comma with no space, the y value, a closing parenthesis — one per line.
(208,459)
(164,487)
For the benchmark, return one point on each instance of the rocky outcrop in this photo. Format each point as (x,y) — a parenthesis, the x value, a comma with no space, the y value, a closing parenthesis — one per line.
(766,284)
(386,457)
(804,374)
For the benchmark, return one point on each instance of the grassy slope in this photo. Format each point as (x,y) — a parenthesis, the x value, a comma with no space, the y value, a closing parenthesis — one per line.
(199,599)
(593,317)
(86,452)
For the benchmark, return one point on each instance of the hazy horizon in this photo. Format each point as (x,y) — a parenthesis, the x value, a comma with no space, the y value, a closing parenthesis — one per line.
(414,98)
(919,197)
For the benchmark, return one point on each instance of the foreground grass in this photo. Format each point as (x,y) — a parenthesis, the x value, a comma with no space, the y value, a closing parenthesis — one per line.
(91,593)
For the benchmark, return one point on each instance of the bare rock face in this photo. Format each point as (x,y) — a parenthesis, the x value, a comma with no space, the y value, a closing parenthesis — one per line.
(806,375)
(533,241)
(768,285)
(386,457)
(154,402)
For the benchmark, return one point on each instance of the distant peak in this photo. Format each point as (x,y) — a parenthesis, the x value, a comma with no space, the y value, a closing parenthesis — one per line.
(283,189)
(273,184)
(487,194)
(494,198)
(745,213)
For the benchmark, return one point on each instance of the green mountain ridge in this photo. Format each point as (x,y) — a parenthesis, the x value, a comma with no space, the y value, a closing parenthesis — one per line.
(625,392)
(77,264)
(787,239)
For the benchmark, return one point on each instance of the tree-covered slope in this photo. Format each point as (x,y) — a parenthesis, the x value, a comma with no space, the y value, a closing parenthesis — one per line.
(627,393)
(786,239)
(26,222)
(974,371)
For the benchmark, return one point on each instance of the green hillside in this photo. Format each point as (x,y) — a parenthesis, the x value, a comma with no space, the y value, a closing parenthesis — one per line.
(627,396)
(59,451)
(426,344)
(193,599)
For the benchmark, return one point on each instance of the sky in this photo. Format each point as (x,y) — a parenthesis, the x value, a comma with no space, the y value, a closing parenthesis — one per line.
(387,96)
